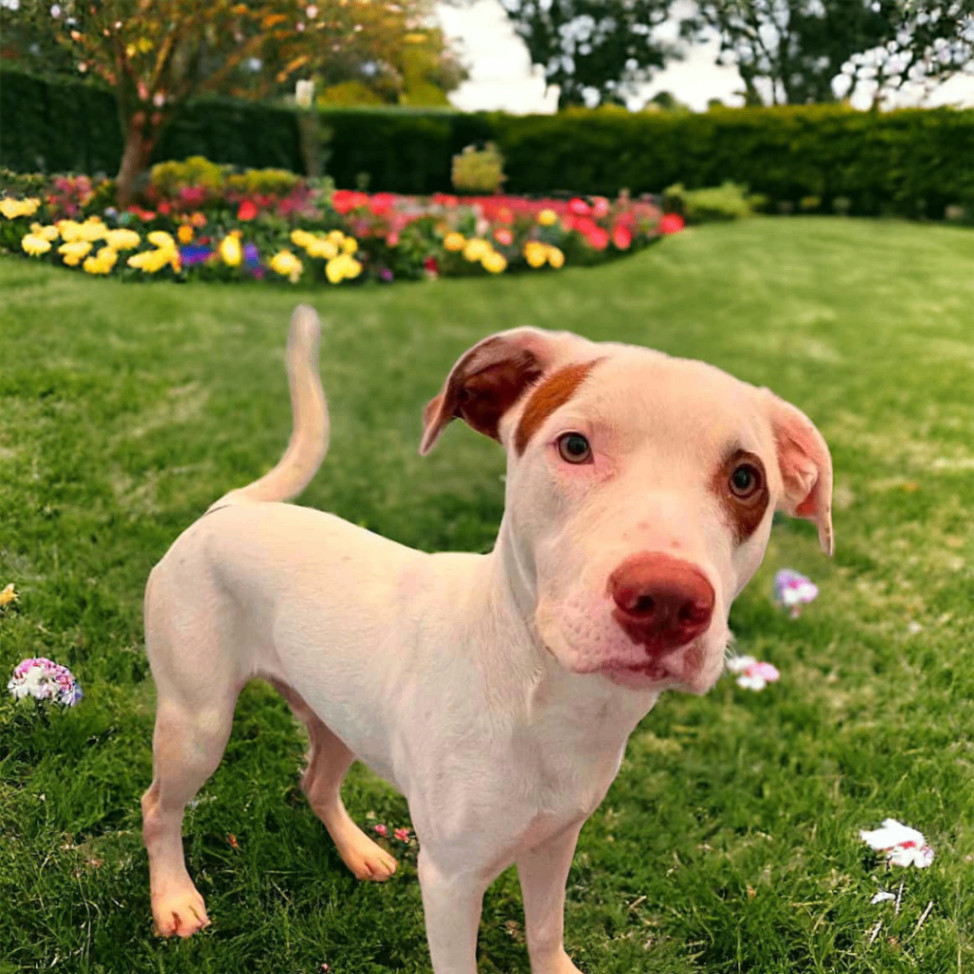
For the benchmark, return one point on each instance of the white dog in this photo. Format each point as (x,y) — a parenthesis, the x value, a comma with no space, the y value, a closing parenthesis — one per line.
(497,691)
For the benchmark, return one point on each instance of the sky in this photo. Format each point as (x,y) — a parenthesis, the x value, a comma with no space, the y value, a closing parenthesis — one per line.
(501,75)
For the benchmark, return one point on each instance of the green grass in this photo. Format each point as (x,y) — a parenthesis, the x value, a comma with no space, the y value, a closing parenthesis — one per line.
(729,840)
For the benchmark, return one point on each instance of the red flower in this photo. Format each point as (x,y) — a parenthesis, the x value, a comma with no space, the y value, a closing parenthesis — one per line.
(671,223)
(432,267)
(344,200)
(381,203)
(621,236)
(600,207)
(598,238)
(578,207)
(247,211)
(585,225)
(164,207)
(504,236)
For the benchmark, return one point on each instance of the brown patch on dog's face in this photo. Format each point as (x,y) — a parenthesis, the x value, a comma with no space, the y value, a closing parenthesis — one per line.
(550,395)
(741,485)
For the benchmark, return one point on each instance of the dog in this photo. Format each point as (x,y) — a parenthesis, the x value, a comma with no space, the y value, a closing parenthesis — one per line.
(495,691)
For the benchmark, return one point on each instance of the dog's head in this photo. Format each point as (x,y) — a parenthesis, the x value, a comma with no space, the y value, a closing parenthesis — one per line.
(640,494)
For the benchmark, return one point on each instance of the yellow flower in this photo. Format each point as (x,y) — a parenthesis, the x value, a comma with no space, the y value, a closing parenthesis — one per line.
(326,249)
(8,595)
(287,265)
(70,230)
(535,253)
(72,252)
(349,245)
(12,209)
(91,230)
(454,241)
(35,245)
(162,240)
(230,250)
(151,261)
(341,267)
(102,262)
(303,239)
(547,217)
(185,233)
(48,233)
(122,239)
(336,236)
(555,257)
(476,248)
(494,262)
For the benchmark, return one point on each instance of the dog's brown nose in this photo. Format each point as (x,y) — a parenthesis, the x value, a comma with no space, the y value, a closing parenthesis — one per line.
(661,602)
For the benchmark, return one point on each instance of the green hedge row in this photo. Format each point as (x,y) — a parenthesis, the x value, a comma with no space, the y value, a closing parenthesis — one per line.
(912,162)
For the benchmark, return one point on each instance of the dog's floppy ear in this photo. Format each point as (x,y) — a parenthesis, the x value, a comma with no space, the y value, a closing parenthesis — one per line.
(490,378)
(805,466)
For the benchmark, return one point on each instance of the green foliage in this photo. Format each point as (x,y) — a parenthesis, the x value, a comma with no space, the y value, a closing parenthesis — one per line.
(710,204)
(593,50)
(912,162)
(168,178)
(478,171)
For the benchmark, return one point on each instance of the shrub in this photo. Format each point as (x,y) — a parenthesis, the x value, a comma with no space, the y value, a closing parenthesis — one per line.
(725,202)
(478,170)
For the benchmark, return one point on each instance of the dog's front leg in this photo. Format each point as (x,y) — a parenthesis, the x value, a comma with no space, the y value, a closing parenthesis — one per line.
(543,871)
(452,902)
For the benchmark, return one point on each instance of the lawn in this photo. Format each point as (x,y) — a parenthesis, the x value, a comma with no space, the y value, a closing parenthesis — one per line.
(729,841)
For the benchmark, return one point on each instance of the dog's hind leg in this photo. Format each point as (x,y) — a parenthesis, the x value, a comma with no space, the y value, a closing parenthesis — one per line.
(328,761)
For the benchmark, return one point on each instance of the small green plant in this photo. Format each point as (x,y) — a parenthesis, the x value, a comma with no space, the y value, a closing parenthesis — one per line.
(168,178)
(725,202)
(478,170)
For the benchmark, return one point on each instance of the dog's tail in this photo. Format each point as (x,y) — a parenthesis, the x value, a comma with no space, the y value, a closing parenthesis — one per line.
(309,436)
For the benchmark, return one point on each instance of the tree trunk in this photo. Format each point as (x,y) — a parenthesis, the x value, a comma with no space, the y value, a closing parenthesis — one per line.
(139,143)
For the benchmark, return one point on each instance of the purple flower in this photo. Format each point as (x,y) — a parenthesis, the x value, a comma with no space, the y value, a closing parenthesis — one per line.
(194,254)
(386,275)
(251,255)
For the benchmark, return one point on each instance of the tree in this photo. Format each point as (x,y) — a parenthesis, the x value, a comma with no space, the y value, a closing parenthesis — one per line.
(793,51)
(156,54)
(594,50)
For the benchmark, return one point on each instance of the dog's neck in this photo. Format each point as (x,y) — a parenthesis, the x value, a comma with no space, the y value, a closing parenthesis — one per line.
(502,613)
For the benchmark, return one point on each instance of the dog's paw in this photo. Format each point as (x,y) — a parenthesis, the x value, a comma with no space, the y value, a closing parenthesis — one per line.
(366,859)
(179,913)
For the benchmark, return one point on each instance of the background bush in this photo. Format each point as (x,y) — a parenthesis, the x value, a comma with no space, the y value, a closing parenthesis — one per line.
(912,162)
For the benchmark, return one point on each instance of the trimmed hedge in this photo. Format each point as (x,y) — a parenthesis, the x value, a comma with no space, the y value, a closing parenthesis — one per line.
(911,162)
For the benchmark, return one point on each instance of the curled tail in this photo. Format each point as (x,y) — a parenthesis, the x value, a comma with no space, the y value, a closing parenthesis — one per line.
(309,436)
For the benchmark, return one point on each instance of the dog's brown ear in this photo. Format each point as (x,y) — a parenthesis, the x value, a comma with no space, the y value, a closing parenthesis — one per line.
(489,379)
(806,468)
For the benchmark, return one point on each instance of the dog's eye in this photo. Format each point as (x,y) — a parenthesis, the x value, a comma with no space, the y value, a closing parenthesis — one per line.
(574,448)
(745,481)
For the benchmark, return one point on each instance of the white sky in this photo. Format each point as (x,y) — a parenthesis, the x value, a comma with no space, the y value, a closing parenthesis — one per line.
(501,75)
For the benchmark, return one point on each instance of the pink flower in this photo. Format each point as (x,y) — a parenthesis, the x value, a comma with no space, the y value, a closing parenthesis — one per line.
(382,830)
(621,236)
(402,835)
(578,207)
(598,237)
(600,207)
(504,236)
(671,223)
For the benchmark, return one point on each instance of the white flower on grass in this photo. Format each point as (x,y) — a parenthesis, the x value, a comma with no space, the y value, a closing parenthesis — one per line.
(43,679)
(903,846)
(793,590)
(752,674)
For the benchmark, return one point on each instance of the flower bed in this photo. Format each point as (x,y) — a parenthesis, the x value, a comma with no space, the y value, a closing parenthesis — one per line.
(304,232)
